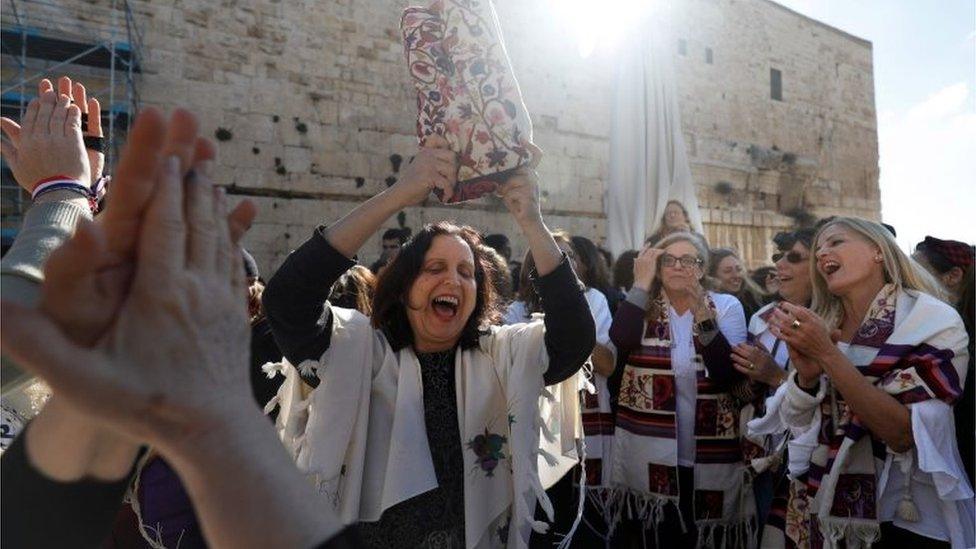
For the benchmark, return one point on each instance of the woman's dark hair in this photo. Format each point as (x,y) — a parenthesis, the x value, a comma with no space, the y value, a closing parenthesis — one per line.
(760,275)
(393,286)
(785,240)
(354,290)
(595,273)
(936,259)
(623,270)
(526,290)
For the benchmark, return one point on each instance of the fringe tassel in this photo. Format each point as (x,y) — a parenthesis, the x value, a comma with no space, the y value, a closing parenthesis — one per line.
(271,405)
(907,510)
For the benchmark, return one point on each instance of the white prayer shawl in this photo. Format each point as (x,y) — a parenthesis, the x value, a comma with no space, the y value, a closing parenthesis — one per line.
(361,435)
(937,482)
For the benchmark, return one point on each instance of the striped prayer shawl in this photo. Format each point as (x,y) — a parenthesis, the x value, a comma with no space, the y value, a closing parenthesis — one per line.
(908,362)
(645,454)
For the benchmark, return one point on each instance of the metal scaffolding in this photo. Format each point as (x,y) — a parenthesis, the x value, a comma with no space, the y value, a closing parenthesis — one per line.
(45,39)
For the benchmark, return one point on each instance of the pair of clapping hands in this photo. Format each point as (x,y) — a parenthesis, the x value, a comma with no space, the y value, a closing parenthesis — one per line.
(142,317)
(807,339)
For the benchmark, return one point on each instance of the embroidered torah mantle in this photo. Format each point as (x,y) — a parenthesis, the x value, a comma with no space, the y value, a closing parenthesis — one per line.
(466,91)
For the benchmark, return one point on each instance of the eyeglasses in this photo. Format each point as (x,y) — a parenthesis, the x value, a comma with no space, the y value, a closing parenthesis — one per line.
(792,256)
(687,261)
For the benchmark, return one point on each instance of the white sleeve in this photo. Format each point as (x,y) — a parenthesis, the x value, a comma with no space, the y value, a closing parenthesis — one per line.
(731,318)
(934,431)
(601,315)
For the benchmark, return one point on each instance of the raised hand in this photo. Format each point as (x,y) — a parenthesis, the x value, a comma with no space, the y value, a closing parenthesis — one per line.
(48,143)
(645,267)
(433,167)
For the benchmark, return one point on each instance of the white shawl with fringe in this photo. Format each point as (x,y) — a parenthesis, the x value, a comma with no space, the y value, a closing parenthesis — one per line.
(361,435)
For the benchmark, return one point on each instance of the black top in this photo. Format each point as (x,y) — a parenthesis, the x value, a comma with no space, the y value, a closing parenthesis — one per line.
(264,350)
(295,301)
(41,512)
(433,519)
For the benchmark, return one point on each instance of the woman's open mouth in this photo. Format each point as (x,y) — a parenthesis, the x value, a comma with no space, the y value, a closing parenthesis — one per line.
(445,306)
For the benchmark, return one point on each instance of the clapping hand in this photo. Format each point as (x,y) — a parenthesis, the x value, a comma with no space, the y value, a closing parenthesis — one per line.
(807,337)
(755,362)
(48,142)
(180,326)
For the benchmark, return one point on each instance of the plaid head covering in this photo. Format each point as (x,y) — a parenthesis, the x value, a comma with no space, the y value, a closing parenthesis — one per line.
(958,253)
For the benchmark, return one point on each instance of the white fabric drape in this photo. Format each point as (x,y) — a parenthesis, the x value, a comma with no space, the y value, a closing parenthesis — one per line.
(648,161)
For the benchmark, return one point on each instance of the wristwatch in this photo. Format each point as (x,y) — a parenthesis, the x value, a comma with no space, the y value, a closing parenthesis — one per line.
(707,325)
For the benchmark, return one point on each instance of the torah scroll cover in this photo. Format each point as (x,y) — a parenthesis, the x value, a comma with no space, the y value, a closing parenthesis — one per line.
(466,91)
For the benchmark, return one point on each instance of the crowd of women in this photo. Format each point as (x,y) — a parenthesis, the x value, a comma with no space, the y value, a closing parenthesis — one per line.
(457,398)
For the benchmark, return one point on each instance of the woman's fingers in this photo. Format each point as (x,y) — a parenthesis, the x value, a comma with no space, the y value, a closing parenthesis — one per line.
(239,220)
(80,96)
(42,125)
(181,138)
(162,243)
(201,221)
(11,129)
(94,118)
(65,87)
(436,141)
(134,181)
(72,121)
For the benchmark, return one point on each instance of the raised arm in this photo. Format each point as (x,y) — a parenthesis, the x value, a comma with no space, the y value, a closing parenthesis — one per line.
(295,297)
(570,333)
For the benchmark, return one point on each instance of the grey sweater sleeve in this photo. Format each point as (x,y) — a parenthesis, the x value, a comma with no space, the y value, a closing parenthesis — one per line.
(47,225)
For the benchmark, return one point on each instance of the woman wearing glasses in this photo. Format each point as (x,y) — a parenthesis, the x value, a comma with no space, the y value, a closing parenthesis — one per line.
(764,359)
(677,458)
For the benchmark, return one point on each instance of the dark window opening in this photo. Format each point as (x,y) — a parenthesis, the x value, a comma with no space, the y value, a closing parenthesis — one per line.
(683,46)
(776,84)
(708,55)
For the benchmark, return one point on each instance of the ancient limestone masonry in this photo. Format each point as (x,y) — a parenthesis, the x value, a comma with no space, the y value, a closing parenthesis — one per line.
(314,112)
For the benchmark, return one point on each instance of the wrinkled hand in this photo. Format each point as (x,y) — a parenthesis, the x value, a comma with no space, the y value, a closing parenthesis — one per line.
(176,356)
(48,142)
(433,167)
(755,362)
(645,267)
(89,285)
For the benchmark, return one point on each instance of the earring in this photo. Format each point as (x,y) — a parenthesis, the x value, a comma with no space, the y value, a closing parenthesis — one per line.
(878,258)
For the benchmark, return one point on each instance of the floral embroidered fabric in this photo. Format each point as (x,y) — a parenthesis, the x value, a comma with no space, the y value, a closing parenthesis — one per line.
(435,519)
(466,91)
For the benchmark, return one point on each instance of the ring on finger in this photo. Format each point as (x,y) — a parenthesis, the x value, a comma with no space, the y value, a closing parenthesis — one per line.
(795,324)
(751,366)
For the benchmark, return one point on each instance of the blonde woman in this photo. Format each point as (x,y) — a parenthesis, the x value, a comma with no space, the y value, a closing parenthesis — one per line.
(871,414)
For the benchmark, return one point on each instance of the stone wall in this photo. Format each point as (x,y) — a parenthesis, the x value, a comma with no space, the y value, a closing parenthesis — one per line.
(313,110)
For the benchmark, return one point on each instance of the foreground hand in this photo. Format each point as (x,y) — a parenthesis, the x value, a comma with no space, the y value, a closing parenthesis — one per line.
(701,310)
(181,332)
(755,362)
(434,167)
(645,267)
(48,142)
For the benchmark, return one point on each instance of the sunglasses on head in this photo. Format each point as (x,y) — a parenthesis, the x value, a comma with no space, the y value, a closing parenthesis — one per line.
(792,256)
